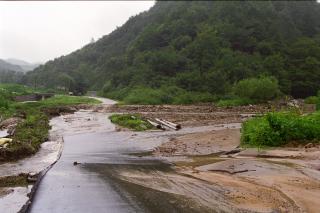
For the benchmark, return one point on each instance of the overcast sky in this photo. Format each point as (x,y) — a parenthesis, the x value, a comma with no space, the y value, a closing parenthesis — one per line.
(40,31)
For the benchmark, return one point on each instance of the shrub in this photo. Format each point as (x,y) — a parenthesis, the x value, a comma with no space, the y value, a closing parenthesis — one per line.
(4,103)
(143,95)
(234,102)
(311,100)
(193,97)
(279,128)
(258,89)
(167,95)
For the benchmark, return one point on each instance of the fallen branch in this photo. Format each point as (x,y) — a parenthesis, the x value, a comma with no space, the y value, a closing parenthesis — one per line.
(169,124)
(178,126)
(166,124)
(231,172)
(159,126)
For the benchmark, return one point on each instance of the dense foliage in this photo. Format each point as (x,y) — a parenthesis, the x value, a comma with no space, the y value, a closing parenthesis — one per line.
(280,128)
(202,49)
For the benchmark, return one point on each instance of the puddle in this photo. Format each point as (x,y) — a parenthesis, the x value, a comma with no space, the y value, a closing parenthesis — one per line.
(197,161)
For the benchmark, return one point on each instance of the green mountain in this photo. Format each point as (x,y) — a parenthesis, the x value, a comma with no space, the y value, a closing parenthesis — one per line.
(197,48)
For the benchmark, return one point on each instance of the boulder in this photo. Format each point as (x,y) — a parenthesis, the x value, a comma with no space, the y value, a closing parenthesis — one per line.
(10,122)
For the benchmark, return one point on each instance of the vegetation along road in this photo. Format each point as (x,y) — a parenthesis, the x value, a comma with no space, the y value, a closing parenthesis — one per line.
(216,110)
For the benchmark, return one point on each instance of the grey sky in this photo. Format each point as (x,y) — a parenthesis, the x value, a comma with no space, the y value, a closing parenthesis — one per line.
(39,31)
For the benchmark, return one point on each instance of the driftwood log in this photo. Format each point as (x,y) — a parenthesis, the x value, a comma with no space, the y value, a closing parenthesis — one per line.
(158,126)
(169,124)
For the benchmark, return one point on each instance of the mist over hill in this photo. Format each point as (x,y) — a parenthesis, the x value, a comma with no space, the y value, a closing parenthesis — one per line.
(25,66)
(6,66)
(197,48)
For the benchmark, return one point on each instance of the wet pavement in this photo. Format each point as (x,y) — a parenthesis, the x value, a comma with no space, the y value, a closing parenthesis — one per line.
(110,177)
(116,173)
(93,184)
(69,188)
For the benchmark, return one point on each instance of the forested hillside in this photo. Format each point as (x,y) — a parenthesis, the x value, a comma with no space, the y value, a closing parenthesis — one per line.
(10,73)
(193,51)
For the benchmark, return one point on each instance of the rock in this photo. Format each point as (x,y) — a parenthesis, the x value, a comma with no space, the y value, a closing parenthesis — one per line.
(10,122)
(32,178)
(76,163)
(309,145)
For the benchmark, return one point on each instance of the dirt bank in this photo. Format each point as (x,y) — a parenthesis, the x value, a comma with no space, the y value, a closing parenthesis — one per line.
(192,115)
(201,143)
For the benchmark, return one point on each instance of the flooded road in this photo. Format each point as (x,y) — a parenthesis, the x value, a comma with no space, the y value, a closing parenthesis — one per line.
(172,171)
(108,176)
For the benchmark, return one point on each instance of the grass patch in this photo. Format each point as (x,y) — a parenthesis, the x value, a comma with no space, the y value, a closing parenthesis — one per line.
(35,128)
(14,181)
(130,121)
(28,136)
(280,128)
(311,100)
(314,100)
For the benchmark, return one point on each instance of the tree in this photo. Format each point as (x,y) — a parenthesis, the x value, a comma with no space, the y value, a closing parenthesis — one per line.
(259,89)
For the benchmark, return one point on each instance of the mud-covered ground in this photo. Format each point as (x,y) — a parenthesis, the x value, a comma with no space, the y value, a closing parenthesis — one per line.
(200,168)
(285,179)
(192,115)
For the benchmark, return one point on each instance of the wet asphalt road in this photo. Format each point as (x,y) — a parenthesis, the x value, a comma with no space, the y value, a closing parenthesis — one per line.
(68,188)
(99,183)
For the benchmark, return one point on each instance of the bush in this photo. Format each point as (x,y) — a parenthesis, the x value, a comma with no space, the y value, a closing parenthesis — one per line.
(311,100)
(258,89)
(134,122)
(167,95)
(4,103)
(193,97)
(234,102)
(279,128)
(143,95)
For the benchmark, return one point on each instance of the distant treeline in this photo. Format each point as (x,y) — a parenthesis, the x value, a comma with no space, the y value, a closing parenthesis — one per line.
(197,51)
